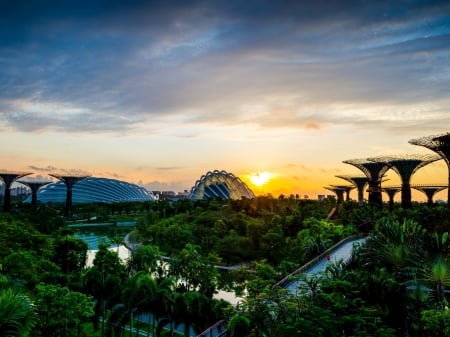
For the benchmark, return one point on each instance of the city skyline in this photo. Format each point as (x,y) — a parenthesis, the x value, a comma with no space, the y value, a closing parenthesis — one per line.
(158,94)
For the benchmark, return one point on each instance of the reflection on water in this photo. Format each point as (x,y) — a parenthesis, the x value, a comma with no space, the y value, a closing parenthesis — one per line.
(93,240)
(123,252)
(228,296)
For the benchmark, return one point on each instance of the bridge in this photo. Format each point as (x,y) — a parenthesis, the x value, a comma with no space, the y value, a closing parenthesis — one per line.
(342,251)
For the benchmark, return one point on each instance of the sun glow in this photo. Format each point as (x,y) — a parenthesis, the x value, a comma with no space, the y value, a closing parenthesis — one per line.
(259,179)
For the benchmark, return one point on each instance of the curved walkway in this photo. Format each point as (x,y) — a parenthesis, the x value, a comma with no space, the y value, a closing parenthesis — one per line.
(340,251)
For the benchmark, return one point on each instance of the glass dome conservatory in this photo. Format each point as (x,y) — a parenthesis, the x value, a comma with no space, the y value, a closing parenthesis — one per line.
(220,185)
(93,189)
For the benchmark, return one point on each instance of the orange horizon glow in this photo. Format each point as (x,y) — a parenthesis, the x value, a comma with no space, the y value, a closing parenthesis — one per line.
(260,178)
(298,180)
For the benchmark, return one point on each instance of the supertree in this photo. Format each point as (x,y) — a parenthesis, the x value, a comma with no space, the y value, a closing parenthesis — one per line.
(429,190)
(374,171)
(406,165)
(339,191)
(391,192)
(34,187)
(8,178)
(346,189)
(359,182)
(441,145)
(69,181)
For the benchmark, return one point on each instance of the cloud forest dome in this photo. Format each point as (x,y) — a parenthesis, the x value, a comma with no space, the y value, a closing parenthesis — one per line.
(93,189)
(220,185)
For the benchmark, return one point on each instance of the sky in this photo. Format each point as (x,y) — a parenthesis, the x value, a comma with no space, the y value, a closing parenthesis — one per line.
(158,93)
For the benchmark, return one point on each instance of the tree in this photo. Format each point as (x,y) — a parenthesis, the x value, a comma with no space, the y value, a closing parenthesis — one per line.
(434,323)
(145,258)
(17,314)
(437,273)
(194,271)
(70,253)
(436,268)
(61,311)
(140,295)
(104,281)
(28,267)
(395,245)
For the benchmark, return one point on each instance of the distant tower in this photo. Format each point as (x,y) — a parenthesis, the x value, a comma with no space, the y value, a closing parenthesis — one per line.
(374,171)
(8,178)
(391,192)
(429,191)
(69,181)
(359,183)
(406,165)
(34,186)
(441,145)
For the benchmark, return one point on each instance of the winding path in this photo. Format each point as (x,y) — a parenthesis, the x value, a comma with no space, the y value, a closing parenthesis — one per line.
(340,251)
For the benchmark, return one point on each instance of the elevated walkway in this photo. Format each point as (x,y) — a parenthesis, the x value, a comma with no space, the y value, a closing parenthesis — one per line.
(340,251)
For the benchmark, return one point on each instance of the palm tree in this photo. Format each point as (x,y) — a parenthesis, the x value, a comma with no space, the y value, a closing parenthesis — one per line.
(17,314)
(394,244)
(438,273)
(145,258)
(437,270)
(143,294)
(164,304)
(148,290)
(117,320)
(239,325)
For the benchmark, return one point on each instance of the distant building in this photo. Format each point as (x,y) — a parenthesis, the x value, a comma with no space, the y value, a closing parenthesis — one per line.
(20,191)
(15,191)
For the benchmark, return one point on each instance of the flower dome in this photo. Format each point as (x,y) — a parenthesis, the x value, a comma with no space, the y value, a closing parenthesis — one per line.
(220,185)
(93,189)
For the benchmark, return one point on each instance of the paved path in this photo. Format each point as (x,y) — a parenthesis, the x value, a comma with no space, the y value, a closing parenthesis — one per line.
(342,252)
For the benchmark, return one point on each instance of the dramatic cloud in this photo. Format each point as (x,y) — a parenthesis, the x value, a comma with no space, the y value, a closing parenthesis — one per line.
(122,66)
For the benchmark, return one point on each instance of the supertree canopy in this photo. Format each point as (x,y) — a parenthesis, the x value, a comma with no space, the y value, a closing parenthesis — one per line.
(391,192)
(345,188)
(69,181)
(429,190)
(8,178)
(406,165)
(339,192)
(34,187)
(374,171)
(359,182)
(441,145)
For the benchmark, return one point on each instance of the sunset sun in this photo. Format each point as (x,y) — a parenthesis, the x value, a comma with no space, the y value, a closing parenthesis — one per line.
(259,179)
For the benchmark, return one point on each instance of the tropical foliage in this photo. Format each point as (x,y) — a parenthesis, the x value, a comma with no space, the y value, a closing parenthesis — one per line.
(395,285)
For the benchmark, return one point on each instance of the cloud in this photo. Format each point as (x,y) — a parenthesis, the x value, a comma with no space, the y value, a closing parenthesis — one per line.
(165,186)
(135,66)
(48,168)
(59,171)
(169,168)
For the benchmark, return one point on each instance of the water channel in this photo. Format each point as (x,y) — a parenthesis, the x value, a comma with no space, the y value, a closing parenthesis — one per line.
(113,236)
